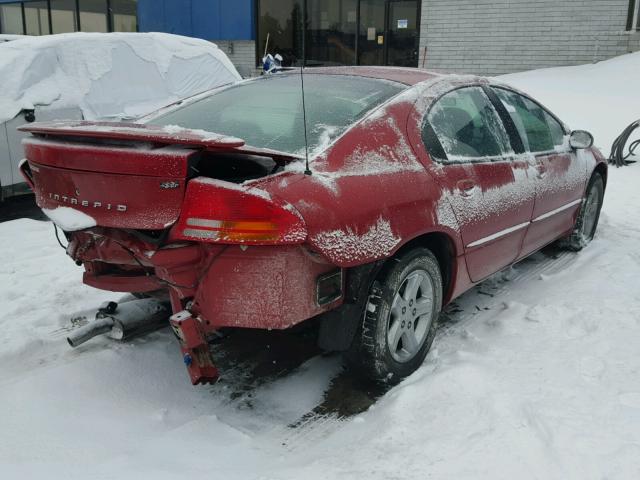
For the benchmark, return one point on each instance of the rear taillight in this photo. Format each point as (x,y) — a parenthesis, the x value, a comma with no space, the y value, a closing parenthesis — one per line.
(222,212)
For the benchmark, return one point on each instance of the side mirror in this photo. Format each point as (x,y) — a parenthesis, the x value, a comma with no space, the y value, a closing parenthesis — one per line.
(580,139)
(29,115)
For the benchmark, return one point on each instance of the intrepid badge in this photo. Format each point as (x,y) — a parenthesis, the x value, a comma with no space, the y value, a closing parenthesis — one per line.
(86,203)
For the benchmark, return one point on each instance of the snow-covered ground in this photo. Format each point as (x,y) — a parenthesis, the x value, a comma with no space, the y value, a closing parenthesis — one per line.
(602,98)
(535,373)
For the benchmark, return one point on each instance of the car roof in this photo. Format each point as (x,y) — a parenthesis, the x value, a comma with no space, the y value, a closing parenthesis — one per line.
(408,76)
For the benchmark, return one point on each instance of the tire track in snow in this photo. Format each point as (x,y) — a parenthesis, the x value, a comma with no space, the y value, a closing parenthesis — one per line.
(330,415)
(250,360)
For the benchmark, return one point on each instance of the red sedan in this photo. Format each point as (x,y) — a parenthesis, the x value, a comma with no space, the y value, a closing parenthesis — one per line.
(418,186)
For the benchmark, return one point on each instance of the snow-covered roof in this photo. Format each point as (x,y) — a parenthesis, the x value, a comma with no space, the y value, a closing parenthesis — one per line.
(108,75)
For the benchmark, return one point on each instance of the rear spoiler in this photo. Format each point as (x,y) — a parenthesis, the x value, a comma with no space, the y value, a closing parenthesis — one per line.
(168,135)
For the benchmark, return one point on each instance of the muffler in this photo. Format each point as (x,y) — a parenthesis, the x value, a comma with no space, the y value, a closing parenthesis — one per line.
(123,321)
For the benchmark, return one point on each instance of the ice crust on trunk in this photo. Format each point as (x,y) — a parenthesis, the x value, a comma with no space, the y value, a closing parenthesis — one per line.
(69,219)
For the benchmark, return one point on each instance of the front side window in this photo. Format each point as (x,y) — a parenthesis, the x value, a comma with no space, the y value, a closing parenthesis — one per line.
(267,112)
(467,126)
(539,131)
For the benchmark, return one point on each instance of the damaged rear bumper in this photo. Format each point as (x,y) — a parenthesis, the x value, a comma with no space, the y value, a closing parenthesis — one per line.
(209,286)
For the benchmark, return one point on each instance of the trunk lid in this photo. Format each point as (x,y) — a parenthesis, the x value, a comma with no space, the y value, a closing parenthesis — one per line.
(118,175)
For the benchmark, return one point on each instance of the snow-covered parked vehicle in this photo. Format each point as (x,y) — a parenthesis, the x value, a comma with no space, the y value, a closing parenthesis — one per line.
(419,186)
(96,76)
(6,37)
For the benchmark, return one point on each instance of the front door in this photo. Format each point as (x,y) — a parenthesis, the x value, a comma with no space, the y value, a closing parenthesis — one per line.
(402,33)
(560,176)
(486,184)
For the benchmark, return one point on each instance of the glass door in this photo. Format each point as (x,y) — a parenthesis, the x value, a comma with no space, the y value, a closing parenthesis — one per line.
(371,37)
(402,41)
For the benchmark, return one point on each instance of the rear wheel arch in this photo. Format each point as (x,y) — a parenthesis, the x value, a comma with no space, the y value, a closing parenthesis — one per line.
(443,248)
(339,326)
(393,316)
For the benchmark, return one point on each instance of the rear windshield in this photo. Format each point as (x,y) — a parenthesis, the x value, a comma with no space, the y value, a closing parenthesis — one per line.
(267,112)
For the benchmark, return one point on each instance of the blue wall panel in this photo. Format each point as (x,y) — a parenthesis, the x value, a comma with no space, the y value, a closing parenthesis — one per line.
(207,19)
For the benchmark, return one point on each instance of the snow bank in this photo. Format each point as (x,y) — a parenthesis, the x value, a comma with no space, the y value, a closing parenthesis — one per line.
(602,98)
(110,75)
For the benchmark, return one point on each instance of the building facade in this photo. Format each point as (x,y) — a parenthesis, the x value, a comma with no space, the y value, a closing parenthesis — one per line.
(473,36)
(491,37)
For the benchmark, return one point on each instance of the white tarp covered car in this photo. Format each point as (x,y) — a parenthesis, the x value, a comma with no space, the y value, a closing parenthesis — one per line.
(97,76)
(5,37)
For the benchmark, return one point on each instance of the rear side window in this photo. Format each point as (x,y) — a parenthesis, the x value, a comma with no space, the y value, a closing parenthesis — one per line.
(466,126)
(540,132)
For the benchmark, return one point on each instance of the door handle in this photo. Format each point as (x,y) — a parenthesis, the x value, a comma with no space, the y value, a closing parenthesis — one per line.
(466,187)
(541,168)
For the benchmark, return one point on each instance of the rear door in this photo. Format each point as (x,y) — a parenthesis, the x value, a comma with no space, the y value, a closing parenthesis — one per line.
(560,175)
(486,183)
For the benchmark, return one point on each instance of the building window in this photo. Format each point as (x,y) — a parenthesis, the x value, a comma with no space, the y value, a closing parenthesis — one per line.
(280,29)
(43,17)
(93,16)
(331,32)
(123,15)
(11,19)
(36,15)
(63,16)
(633,18)
(339,32)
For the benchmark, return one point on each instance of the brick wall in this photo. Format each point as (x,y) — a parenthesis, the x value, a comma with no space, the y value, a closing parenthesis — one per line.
(491,37)
(242,53)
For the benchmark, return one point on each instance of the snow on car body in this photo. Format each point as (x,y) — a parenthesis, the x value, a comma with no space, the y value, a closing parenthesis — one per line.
(97,76)
(420,186)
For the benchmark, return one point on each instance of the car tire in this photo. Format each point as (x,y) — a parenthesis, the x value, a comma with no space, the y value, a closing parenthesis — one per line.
(588,216)
(400,318)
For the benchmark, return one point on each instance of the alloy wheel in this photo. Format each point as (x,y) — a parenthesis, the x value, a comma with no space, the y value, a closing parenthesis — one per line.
(411,316)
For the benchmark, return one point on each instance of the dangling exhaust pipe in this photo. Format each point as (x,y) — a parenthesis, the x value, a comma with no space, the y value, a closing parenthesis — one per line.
(100,326)
(123,321)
